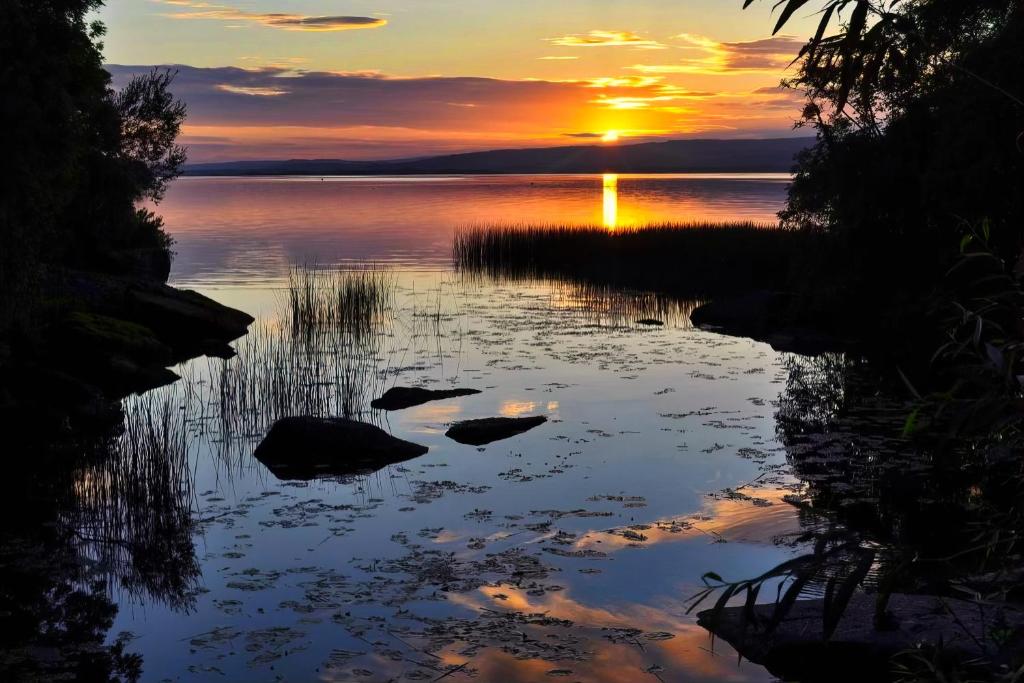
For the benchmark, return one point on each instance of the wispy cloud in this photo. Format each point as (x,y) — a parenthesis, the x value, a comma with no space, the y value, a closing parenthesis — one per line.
(711,57)
(600,38)
(623,82)
(193,9)
(658,96)
(253,91)
(558,58)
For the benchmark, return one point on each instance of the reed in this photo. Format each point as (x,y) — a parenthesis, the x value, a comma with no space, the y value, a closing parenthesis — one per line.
(685,259)
(321,356)
(352,300)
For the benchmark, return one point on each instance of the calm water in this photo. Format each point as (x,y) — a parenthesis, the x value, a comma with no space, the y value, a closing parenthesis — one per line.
(568,551)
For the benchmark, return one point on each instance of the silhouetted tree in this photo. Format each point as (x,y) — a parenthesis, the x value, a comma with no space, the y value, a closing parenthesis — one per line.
(77,155)
(919,108)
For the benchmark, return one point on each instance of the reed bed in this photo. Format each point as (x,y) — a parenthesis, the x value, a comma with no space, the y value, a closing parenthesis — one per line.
(684,259)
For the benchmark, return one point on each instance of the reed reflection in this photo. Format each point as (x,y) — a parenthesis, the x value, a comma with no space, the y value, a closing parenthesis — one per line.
(132,502)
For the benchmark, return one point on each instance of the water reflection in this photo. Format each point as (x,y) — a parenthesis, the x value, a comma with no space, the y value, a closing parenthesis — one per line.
(661,443)
(611,200)
(131,504)
(246,231)
(518,561)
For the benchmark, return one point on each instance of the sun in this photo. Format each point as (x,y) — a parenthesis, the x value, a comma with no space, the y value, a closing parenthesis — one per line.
(610,136)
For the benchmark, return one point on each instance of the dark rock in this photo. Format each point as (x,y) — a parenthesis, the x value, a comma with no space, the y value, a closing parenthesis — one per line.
(480,432)
(650,321)
(186,317)
(858,651)
(92,334)
(48,397)
(397,398)
(122,375)
(310,447)
(765,316)
(117,356)
(750,314)
(182,319)
(114,335)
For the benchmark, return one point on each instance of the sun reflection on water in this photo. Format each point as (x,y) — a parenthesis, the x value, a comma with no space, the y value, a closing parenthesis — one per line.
(611,200)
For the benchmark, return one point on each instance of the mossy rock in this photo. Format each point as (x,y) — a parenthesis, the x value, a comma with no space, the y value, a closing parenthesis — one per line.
(185,317)
(92,333)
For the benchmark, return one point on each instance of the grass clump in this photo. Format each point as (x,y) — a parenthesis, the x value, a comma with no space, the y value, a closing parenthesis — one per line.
(686,259)
(349,300)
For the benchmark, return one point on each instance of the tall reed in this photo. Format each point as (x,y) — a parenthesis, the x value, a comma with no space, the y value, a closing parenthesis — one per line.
(320,357)
(350,300)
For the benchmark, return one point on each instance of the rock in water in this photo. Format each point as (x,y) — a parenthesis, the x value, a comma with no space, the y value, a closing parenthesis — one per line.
(796,648)
(310,447)
(397,398)
(751,314)
(480,432)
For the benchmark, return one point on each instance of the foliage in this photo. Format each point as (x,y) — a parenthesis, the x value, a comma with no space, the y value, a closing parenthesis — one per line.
(920,114)
(150,122)
(79,155)
(982,361)
(835,560)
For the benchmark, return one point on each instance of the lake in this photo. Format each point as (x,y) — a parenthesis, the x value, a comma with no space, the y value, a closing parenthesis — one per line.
(566,552)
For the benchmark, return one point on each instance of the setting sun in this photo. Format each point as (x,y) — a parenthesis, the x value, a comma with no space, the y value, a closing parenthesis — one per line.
(610,136)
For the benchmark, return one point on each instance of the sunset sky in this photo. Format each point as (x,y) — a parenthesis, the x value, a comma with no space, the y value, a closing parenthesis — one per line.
(271,79)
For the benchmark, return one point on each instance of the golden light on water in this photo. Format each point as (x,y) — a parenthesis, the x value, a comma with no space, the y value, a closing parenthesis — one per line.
(611,200)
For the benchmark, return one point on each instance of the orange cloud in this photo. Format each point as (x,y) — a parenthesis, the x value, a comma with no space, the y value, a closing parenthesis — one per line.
(600,38)
(726,59)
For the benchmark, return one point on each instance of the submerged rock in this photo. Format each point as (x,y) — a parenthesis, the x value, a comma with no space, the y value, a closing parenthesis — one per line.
(858,651)
(309,447)
(480,432)
(397,398)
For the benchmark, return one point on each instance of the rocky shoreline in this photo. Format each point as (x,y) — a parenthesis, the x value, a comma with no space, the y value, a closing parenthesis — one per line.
(103,337)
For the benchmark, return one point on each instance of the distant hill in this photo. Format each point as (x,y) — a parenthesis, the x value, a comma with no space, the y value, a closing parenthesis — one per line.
(674,156)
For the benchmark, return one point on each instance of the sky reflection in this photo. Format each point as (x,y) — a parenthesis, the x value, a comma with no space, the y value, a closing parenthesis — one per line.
(231,231)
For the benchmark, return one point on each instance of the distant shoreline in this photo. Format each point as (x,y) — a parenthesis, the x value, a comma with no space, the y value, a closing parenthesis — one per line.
(775,155)
(687,175)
